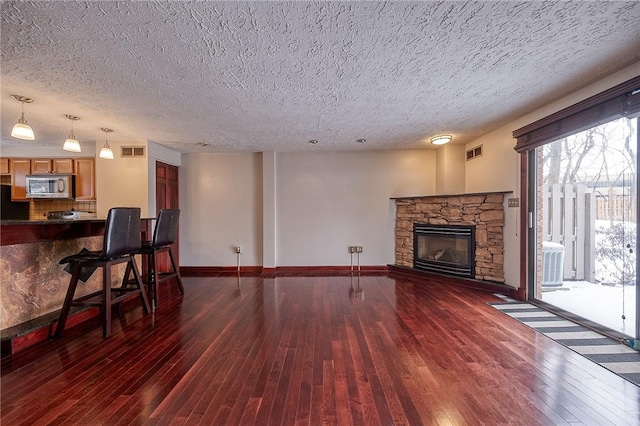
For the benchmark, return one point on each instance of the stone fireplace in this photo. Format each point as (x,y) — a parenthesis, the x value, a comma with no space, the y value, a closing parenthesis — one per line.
(483,214)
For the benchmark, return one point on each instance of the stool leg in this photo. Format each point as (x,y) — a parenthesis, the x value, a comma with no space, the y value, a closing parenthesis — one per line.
(106,299)
(155,274)
(143,292)
(175,269)
(64,313)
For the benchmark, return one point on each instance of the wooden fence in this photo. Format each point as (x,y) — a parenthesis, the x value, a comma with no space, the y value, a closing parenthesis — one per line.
(569,218)
(616,207)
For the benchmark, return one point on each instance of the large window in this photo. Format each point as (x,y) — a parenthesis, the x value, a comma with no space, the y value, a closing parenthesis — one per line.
(582,210)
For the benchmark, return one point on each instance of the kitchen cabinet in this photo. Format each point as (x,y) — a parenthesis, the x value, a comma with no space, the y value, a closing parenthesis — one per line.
(62,165)
(40,165)
(4,166)
(85,179)
(52,165)
(20,168)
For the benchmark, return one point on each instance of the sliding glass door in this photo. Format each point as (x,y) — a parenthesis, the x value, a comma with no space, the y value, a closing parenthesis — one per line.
(584,189)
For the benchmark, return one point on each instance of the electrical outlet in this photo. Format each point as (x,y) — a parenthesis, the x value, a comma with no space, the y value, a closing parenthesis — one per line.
(352,249)
(238,249)
(358,249)
(513,202)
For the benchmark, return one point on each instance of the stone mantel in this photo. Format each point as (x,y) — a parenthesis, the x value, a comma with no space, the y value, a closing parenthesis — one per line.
(471,194)
(483,210)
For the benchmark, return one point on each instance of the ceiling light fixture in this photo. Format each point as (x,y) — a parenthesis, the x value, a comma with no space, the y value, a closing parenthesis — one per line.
(361,140)
(21,130)
(72,144)
(106,152)
(441,139)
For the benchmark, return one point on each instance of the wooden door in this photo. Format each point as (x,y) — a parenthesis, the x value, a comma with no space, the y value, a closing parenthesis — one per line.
(167,198)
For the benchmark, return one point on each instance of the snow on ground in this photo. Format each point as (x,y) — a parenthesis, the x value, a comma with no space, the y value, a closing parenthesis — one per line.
(598,303)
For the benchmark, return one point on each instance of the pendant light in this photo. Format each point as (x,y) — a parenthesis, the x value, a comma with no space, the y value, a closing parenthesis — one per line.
(72,144)
(106,152)
(21,130)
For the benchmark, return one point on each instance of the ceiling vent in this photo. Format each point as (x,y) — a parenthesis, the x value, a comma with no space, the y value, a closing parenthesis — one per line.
(132,151)
(474,152)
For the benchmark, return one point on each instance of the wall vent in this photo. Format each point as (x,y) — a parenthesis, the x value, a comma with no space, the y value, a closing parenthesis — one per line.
(474,152)
(132,151)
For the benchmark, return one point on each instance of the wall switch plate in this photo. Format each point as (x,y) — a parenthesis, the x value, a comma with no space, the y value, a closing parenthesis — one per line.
(238,249)
(513,202)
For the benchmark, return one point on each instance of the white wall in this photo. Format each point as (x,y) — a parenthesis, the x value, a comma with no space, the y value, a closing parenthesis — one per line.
(328,201)
(498,169)
(221,203)
(122,182)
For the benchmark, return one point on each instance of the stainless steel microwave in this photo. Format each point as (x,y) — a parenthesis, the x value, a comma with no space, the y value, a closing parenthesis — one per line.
(50,186)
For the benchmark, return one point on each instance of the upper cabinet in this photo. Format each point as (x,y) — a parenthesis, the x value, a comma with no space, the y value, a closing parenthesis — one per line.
(85,179)
(63,165)
(4,166)
(20,168)
(52,165)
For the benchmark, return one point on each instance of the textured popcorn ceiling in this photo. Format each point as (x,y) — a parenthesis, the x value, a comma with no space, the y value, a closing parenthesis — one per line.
(263,76)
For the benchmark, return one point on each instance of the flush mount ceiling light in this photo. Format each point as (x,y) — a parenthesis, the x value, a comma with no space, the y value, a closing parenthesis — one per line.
(21,130)
(441,139)
(106,152)
(72,144)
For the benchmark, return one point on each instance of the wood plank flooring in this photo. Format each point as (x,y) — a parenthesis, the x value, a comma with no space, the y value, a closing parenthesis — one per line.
(311,350)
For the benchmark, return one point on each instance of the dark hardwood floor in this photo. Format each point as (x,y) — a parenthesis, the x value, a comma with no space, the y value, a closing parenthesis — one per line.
(311,350)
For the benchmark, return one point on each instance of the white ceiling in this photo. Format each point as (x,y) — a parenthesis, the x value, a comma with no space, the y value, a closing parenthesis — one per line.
(270,76)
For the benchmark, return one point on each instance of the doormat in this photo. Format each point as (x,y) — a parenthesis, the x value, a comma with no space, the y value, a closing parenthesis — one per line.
(609,353)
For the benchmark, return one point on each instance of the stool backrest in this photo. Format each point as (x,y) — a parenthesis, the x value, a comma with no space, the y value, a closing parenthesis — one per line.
(122,231)
(166,230)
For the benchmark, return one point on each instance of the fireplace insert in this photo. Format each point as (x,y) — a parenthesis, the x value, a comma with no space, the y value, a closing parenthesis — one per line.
(444,249)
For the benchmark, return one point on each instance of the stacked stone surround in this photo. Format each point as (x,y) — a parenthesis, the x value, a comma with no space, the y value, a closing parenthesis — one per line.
(485,211)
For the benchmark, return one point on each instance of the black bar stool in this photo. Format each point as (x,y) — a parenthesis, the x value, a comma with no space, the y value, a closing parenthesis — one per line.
(121,241)
(164,234)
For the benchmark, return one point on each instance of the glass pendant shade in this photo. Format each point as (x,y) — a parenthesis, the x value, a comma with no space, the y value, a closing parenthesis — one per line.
(22,130)
(72,145)
(106,152)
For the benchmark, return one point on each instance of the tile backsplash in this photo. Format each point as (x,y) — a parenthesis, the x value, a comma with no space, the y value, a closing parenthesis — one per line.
(38,209)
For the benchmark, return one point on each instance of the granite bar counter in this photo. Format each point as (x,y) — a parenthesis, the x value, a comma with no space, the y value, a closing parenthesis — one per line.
(32,282)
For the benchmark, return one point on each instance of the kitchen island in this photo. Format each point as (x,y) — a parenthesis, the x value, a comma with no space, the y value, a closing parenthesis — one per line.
(32,282)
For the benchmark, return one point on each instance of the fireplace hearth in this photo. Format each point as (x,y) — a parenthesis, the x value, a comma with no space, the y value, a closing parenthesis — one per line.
(444,249)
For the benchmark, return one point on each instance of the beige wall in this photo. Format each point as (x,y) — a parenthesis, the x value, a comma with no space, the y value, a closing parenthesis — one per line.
(450,170)
(122,182)
(221,202)
(324,202)
(328,201)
